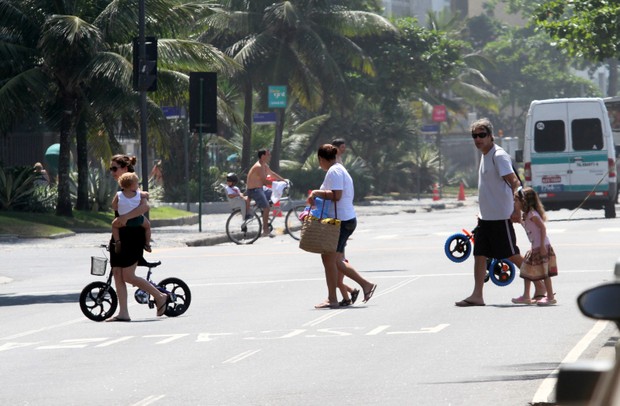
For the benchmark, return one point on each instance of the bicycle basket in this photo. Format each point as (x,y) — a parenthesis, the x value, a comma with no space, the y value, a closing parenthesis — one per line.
(98,265)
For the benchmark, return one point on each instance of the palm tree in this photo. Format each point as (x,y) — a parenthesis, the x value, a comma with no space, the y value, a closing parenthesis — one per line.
(75,73)
(305,45)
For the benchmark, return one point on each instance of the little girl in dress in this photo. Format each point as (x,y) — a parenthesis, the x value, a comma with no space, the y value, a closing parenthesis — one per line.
(540,261)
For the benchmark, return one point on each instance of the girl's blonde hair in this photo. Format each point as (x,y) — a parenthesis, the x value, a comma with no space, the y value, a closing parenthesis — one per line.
(530,201)
(127,179)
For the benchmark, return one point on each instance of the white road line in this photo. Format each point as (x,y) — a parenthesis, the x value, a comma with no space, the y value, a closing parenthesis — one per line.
(149,400)
(240,357)
(377,330)
(323,318)
(387,237)
(609,230)
(545,390)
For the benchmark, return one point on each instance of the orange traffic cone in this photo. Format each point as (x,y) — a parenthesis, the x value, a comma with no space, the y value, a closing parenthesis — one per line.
(461,192)
(435,192)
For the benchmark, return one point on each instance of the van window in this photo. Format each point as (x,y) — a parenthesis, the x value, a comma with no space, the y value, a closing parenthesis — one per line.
(587,134)
(549,136)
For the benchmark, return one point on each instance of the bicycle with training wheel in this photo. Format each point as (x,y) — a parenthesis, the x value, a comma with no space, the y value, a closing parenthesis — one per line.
(98,300)
(458,248)
(245,231)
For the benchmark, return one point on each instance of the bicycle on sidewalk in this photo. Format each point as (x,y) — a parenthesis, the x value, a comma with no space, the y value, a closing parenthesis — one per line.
(245,231)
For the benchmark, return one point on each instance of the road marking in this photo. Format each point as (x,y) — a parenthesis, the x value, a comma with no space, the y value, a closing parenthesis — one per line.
(545,390)
(112,342)
(609,230)
(30,332)
(240,357)
(387,237)
(396,287)
(149,400)
(293,333)
(423,330)
(377,330)
(323,318)
(72,343)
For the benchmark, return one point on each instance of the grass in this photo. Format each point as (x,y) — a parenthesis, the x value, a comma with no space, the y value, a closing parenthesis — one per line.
(31,225)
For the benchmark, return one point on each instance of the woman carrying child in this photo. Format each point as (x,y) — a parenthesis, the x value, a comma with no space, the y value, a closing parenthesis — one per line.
(539,262)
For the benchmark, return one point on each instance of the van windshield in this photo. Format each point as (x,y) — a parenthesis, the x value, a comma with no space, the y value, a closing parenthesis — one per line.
(587,134)
(549,136)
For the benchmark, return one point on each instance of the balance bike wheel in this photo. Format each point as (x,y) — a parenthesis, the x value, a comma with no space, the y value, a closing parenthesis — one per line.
(501,272)
(457,247)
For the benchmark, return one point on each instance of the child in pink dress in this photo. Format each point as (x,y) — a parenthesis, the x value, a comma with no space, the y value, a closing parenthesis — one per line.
(539,263)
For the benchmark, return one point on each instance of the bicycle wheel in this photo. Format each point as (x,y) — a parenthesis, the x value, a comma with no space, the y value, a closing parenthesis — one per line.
(180,296)
(293,223)
(241,231)
(457,247)
(501,272)
(98,301)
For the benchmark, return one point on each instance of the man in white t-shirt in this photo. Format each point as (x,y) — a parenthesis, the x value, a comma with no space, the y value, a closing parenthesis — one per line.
(497,184)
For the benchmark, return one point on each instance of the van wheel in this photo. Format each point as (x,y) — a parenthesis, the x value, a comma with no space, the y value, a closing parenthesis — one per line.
(610,210)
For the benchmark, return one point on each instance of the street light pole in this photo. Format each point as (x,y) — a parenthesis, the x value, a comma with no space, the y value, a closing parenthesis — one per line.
(142,73)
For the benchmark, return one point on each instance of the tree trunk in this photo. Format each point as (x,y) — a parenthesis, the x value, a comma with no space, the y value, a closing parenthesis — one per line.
(612,88)
(277,141)
(82,164)
(246,152)
(63,205)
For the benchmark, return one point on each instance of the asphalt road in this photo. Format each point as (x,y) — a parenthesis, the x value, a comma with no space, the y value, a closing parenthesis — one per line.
(252,336)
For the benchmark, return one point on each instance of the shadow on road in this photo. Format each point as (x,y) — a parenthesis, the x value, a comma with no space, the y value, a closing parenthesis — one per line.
(23,300)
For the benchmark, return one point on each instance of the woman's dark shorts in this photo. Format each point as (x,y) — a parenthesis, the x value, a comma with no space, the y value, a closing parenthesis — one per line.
(346,229)
(495,239)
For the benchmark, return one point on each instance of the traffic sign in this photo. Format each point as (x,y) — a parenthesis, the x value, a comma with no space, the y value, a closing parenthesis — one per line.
(264,118)
(430,128)
(439,113)
(277,97)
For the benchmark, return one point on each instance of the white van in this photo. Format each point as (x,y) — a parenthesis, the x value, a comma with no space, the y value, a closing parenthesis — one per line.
(569,154)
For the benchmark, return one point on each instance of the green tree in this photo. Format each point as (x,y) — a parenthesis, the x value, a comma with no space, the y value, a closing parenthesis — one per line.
(305,45)
(70,63)
(588,29)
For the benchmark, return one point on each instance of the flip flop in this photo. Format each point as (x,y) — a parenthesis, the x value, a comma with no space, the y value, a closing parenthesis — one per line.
(354,295)
(326,305)
(113,319)
(368,295)
(467,303)
(162,309)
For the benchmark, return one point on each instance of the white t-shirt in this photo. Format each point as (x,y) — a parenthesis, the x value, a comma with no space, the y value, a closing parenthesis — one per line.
(127,204)
(233,190)
(494,194)
(337,178)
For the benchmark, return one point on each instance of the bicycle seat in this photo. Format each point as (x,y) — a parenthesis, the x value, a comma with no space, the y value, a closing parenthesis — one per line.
(144,262)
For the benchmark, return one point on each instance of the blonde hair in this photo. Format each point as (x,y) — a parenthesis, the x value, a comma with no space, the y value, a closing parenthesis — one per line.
(530,201)
(127,179)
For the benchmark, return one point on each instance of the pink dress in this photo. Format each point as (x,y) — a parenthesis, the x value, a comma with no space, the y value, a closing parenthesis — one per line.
(535,266)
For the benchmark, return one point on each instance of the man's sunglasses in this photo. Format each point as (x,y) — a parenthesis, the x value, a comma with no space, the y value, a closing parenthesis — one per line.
(113,168)
(479,135)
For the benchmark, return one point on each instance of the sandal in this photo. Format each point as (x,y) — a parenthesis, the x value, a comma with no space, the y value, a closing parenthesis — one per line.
(547,302)
(354,295)
(345,302)
(522,300)
(368,295)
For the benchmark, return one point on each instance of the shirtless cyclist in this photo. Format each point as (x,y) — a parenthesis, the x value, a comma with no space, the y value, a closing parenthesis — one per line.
(257,178)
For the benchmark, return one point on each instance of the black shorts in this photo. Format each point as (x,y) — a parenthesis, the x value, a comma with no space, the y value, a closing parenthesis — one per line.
(346,229)
(495,239)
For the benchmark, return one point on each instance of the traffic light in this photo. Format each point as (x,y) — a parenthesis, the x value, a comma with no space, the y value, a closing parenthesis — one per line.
(145,72)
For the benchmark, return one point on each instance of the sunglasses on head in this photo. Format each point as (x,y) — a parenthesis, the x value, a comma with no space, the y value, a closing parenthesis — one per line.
(479,135)
(113,168)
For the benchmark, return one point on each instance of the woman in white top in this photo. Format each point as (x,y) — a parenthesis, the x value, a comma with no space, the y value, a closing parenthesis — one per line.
(338,187)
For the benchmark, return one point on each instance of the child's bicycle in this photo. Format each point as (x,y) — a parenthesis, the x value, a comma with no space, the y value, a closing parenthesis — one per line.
(458,249)
(98,300)
(242,231)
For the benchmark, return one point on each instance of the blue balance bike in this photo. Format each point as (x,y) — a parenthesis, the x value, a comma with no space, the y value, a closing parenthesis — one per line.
(458,248)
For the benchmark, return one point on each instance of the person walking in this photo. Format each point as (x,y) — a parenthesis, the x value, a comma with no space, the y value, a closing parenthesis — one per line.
(540,262)
(349,295)
(497,183)
(124,263)
(338,187)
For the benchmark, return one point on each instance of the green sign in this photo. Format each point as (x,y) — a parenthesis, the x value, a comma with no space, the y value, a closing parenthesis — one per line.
(277,97)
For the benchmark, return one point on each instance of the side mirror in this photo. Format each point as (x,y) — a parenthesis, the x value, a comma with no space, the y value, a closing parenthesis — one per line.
(601,302)
(519,155)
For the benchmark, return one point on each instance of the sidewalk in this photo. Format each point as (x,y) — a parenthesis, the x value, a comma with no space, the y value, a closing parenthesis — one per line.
(213,226)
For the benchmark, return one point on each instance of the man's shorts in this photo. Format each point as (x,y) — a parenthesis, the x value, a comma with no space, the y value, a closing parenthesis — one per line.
(346,229)
(495,239)
(260,196)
